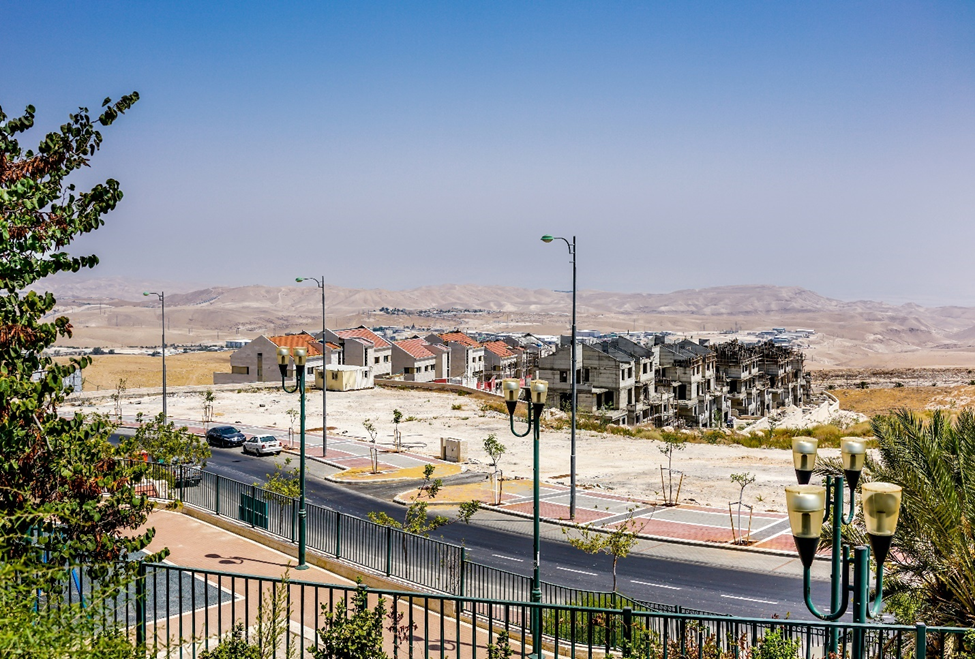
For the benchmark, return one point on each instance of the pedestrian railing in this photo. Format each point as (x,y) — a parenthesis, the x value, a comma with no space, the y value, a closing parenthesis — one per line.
(178,612)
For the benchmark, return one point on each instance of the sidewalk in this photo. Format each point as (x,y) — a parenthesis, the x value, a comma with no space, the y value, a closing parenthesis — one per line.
(687,524)
(191,611)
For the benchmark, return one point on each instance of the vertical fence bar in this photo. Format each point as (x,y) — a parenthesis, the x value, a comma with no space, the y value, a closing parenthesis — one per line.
(338,535)
(389,550)
(216,505)
(920,641)
(140,608)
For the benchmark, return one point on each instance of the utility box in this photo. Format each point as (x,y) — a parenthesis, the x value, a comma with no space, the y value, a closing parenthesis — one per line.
(453,450)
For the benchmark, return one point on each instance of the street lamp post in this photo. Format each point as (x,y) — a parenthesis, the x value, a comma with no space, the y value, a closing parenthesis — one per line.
(162,301)
(810,506)
(535,397)
(575,384)
(300,358)
(321,285)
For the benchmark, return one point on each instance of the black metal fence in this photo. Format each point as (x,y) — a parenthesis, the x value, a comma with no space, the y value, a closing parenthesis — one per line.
(430,563)
(177,612)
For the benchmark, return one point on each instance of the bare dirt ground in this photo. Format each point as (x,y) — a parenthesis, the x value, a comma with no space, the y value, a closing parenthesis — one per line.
(623,465)
(193,368)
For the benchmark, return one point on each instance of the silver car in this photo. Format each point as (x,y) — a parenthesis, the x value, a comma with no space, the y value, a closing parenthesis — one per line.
(263,445)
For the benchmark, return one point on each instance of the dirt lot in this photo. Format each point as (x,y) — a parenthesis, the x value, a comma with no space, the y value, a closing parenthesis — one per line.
(193,368)
(873,401)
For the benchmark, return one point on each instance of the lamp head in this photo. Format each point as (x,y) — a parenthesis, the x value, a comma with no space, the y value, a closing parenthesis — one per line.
(881,508)
(853,451)
(283,355)
(547,239)
(807,508)
(147,293)
(539,389)
(299,279)
(511,389)
(804,451)
(301,356)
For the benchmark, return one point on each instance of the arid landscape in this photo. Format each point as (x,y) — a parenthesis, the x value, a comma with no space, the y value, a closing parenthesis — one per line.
(852,335)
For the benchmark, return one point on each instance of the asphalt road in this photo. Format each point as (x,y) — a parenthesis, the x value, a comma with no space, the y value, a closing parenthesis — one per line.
(506,544)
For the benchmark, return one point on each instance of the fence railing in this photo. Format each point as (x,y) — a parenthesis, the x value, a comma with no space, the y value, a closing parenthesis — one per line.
(427,562)
(176,611)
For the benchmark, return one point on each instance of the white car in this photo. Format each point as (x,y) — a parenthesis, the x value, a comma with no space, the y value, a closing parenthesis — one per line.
(263,445)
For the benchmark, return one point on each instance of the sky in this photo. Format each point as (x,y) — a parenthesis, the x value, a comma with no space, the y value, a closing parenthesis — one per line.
(827,145)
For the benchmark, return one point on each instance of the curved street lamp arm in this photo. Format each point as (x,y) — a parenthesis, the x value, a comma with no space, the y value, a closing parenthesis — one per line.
(807,592)
(515,432)
(848,518)
(878,599)
(293,390)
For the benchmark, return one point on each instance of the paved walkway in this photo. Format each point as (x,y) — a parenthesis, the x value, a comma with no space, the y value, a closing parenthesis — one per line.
(191,611)
(683,523)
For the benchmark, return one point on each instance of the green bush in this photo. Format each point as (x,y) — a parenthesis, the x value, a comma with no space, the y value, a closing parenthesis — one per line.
(233,647)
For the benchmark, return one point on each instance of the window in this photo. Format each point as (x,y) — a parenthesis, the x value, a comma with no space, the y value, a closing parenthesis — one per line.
(585,374)
(240,370)
(377,360)
(386,358)
(645,365)
(563,376)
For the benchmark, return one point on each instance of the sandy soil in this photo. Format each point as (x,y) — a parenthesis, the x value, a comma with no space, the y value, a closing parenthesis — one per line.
(620,464)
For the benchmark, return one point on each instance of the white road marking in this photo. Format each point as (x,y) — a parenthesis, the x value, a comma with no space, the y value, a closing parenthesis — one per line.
(655,585)
(509,558)
(591,574)
(748,599)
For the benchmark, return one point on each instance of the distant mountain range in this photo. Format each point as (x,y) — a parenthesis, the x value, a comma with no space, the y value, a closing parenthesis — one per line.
(848,333)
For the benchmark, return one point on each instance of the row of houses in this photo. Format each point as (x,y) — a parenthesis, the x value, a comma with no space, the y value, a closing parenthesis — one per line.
(353,358)
(683,383)
(624,380)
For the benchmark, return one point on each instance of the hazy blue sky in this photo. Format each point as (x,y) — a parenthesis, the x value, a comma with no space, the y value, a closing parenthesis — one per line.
(825,145)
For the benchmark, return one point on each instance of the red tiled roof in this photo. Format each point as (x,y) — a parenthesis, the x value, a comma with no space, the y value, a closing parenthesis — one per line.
(459,337)
(500,348)
(332,346)
(416,348)
(363,333)
(303,340)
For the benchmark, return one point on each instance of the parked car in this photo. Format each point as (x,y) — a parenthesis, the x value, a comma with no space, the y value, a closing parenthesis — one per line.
(225,436)
(263,445)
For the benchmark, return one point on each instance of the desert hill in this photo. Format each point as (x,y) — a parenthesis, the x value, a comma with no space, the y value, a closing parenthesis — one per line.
(849,334)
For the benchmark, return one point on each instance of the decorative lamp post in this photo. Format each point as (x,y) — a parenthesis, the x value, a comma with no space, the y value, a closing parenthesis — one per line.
(812,505)
(575,384)
(321,285)
(162,301)
(535,397)
(300,358)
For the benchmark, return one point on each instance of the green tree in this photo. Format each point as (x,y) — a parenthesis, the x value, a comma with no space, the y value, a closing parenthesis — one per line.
(166,442)
(617,542)
(234,646)
(54,467)
(931,567)
(743,480)
(495,450)
(284,481)
(397,441)
(357,632)
(373,448)
(116,397)
(671,443)
(208,399)
(417,520)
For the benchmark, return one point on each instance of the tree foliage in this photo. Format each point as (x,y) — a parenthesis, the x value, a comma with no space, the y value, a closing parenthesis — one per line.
(352,633)
(166,442)
(62,490)
(617,542)
(284,481)
(417,520)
